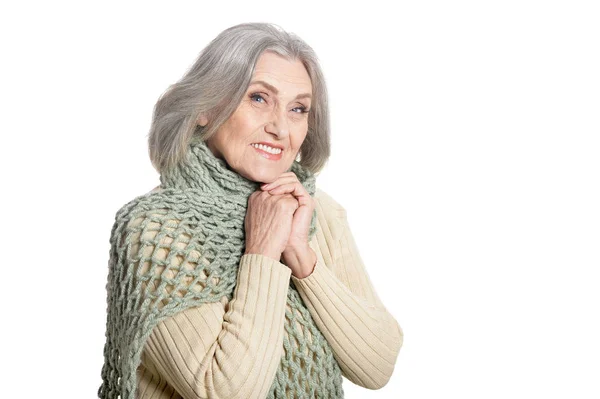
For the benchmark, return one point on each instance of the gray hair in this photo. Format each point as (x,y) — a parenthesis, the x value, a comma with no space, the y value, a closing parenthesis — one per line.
(215,85)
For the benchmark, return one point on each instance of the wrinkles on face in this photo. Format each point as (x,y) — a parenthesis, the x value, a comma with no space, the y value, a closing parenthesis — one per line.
(265,115)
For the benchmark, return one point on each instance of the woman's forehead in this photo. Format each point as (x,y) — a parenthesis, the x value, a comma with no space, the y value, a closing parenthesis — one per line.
(281,74)
(286,89)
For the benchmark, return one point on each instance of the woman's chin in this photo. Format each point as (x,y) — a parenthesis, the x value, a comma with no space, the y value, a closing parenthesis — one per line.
(262,170)
(265,176)
(257,177)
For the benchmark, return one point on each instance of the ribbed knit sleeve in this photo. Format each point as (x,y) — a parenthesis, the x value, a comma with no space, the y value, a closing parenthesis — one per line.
(365,337)
(222,350)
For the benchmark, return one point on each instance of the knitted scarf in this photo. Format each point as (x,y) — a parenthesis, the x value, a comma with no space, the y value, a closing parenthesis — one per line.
(198,215)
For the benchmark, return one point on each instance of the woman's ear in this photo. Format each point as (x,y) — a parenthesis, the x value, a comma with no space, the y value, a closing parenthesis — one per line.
(202,120)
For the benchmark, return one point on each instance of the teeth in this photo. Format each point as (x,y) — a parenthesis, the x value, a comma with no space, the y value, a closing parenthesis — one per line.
(267,148)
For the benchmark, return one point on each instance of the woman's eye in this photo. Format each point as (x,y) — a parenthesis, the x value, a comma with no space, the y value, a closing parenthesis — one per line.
(255,95)
(302,109)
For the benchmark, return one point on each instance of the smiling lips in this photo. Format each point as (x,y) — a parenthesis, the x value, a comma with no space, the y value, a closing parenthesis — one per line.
(267,152)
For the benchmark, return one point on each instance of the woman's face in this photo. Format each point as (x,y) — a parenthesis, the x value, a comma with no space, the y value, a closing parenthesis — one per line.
(273,112)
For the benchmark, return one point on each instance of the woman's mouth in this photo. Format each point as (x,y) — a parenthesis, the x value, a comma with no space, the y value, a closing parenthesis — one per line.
(268,152)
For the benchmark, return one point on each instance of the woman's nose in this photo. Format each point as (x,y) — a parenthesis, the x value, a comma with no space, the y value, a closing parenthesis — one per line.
(279,124)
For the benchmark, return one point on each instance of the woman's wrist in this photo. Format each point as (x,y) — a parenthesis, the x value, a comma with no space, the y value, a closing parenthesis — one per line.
(302,261)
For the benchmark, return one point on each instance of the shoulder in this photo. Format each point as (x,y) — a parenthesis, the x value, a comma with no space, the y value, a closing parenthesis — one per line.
(159,244)
(155,189)
(330,213)
(145,221)
(328,204)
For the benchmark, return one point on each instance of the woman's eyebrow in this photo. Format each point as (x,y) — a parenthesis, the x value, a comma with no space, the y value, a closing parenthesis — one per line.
(274,89)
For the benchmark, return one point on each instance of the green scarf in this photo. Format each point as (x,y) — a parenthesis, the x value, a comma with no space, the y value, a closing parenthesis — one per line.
(209,201)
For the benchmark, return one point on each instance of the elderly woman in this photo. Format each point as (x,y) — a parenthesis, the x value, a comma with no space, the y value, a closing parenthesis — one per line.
(236,277)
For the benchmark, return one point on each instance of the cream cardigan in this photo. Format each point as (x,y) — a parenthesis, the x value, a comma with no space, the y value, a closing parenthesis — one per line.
(232,349)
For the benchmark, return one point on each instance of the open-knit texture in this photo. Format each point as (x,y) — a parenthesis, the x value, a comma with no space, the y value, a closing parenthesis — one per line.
(209,202)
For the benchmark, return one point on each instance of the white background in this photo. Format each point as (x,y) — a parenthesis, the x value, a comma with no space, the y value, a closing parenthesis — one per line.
(465,151)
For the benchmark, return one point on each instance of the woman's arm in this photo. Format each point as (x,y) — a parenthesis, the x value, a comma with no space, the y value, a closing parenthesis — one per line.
(221,349)
(365,337)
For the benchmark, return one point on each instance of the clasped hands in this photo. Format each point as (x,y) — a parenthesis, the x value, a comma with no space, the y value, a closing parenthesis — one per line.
(297,255)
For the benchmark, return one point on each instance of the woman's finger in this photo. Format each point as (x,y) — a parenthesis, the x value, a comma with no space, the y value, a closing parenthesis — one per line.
(283,179)
(296,189)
